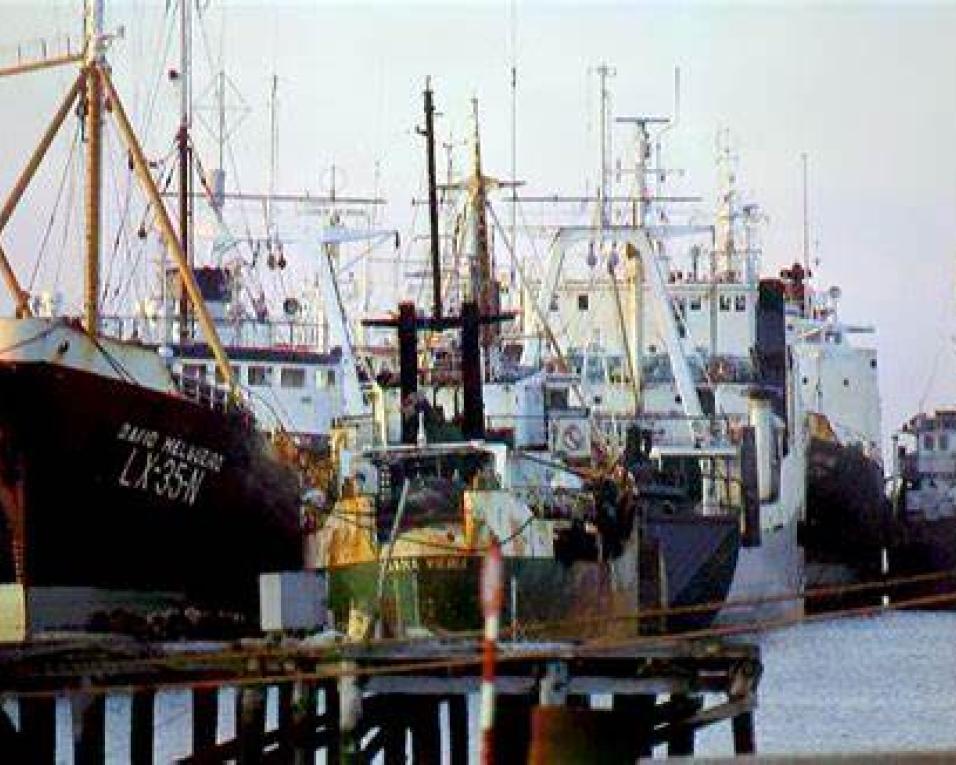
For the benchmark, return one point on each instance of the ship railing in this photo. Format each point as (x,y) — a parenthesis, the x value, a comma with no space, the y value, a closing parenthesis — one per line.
(670,431)
(234,333)
(203,393)
(666,432)
(557,502)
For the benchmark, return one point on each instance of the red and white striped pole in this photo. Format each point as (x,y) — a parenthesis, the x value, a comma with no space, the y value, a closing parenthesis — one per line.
(491,579)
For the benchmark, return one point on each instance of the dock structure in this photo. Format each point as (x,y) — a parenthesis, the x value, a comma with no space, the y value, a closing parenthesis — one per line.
(555,701)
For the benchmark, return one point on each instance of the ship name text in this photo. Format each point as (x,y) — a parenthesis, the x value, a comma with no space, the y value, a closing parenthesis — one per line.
(166,466)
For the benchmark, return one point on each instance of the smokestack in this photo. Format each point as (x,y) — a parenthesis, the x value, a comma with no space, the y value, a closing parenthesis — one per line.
(408,369)
(473,416)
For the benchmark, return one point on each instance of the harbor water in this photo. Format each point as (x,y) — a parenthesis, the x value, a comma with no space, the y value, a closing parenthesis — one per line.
(885,683)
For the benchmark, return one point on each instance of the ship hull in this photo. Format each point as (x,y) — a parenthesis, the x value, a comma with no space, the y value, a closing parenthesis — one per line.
(110,486)
(439,594)
(926,547)
(768,579)
(545,596)
(849,524)
(700,555)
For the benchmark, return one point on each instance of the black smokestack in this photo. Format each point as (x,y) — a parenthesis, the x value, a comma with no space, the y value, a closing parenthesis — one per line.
(408,370)
(473,416)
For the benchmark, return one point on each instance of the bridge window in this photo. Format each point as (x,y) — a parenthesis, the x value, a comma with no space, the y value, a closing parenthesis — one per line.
(292,377)
(260,377)
(236,373)
(194,372)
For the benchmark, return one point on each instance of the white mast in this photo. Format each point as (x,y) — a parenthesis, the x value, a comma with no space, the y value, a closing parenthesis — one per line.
(604,71)
(806,235)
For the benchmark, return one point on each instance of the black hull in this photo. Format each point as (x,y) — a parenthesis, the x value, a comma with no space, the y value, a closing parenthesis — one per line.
(926,547)
(699,555)
(108,484)
(849,521)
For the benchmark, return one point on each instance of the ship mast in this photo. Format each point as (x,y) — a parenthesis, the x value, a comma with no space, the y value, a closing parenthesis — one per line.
(604,71)
(182,145)
(483,286)
(98,89)
(806,235)
(429,134)
(93,109)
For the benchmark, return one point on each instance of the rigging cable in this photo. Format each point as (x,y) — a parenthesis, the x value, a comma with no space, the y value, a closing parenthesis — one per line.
(122,232)
(67,166)
(71,204)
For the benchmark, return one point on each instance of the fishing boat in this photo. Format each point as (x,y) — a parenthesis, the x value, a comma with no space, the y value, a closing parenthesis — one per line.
(689,333)
(669,329)
(471,449)
(125,491)
(849,522)
(402,532)
(924,498)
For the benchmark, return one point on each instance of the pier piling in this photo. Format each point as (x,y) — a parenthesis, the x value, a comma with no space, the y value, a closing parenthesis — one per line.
(250,722)
(513,729)
(302,721)
(350,715)
(680,737)
(38,728)
(89,728)
(426,731)
(205,718)
(638,713)
(458,729)
(393,738)
(377,698)
(142,726)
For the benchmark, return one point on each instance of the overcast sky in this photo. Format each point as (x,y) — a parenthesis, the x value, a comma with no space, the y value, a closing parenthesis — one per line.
(868,91)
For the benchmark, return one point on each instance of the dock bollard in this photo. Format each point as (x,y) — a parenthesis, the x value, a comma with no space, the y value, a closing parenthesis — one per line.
(491,577)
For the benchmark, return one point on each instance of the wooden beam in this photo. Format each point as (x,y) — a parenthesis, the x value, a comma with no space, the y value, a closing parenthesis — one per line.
(93,184)
(36,66)
(169,233)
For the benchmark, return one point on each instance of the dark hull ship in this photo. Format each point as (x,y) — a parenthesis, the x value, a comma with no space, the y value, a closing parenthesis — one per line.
(119,493)
(849,523)
(698,557)
(925,504)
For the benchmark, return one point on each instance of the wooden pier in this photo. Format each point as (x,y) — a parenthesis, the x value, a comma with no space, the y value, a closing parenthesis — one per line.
(400,699)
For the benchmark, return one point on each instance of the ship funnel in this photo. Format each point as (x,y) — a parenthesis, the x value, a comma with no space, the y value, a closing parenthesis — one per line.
(761,420)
